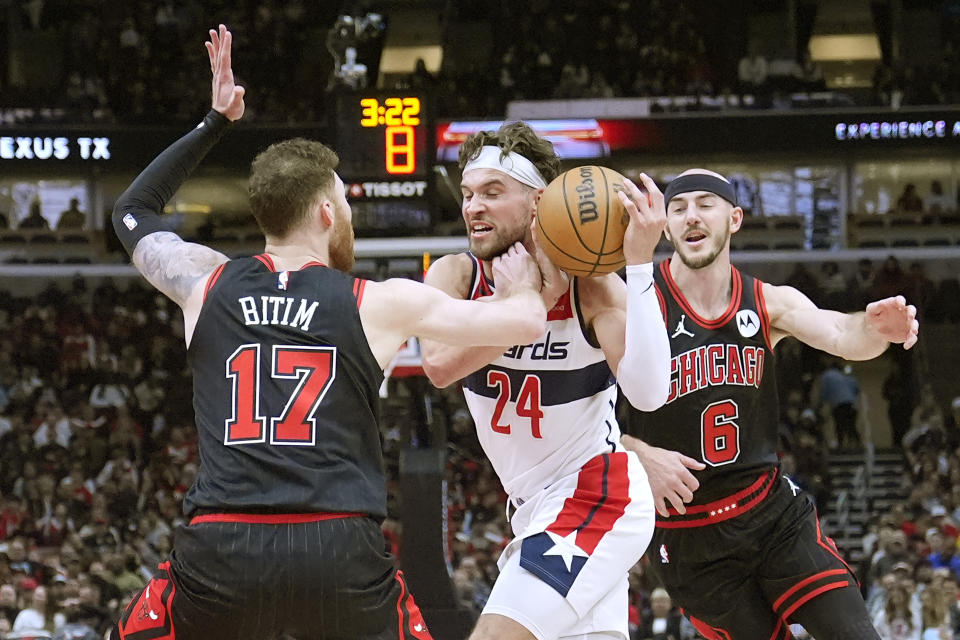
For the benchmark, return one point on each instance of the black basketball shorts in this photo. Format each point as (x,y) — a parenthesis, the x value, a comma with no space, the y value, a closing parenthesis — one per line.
(745,577)
(301,576)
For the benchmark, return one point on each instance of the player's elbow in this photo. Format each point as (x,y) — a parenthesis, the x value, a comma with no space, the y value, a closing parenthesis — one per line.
(439,375)
(533,327)
(650,399)
(645,393)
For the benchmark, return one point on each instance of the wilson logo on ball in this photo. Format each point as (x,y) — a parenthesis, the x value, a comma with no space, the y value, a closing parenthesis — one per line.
(581,221)
(587,205)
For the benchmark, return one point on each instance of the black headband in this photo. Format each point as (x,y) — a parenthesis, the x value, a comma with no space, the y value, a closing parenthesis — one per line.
(700,182)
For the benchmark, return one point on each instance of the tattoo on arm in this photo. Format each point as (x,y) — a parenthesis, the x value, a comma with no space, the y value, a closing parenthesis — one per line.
(173,265)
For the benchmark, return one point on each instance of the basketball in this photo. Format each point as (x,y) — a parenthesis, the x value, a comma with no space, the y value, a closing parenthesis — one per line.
(581,221)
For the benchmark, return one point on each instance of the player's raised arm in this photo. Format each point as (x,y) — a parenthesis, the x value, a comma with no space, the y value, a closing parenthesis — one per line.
(851,336)
(396,309)
(174,266)
(627,320)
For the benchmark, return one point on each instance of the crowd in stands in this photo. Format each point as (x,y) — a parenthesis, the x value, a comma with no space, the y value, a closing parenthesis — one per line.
(97,448)
(138,62)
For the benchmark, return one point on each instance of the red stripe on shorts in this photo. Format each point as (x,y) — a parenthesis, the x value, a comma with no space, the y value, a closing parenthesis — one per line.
(593,508)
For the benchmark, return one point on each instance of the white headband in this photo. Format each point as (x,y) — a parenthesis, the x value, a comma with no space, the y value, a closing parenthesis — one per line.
(514,165)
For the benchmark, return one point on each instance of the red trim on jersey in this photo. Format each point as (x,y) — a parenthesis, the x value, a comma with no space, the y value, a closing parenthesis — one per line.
(479,287)
(735,298)
(722,509)
(662,301)
(483,287)
(762,308)
(562,310)
(313,263)
(267,261)
(359,285)
(271,518)
(601,497)
(212,280)
(792,590)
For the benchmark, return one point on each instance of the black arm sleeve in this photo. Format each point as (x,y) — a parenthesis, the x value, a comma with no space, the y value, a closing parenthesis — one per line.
(137,211)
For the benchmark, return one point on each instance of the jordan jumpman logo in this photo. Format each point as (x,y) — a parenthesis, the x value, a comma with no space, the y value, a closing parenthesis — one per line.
(681,330)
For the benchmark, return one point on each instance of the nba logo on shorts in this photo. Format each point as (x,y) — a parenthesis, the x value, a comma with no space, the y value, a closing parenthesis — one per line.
(130,221)
(664,556)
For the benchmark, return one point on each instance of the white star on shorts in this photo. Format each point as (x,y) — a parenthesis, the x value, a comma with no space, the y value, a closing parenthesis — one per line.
(565,547)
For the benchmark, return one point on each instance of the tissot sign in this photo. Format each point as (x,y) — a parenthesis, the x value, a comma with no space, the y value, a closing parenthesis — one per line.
(395,189)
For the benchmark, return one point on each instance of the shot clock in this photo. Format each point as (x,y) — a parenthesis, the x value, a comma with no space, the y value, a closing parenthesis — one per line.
(383,135)
(385,143)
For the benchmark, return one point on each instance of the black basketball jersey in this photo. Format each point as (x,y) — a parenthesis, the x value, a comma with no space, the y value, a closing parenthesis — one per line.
(722,407)
(285,393)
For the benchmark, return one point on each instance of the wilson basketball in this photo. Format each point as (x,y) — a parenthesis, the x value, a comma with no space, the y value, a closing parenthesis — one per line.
(580,221)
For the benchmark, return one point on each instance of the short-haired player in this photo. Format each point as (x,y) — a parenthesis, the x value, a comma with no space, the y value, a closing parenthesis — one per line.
(747,557)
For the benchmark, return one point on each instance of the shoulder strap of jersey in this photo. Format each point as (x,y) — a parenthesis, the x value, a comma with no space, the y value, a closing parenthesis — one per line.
(753,297)
(359,284)
(479,287)
(212,279)
(266,260)
(573,297)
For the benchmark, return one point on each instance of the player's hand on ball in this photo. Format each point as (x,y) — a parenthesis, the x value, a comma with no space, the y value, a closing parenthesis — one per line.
(555,282)
(648,216)
(894,319)
(227,96)
(515,270)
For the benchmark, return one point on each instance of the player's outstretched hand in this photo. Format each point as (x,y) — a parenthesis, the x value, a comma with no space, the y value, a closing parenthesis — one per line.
(515,270)
(227,96)
(895,320)
(555,281)
(669,475)
(648,216)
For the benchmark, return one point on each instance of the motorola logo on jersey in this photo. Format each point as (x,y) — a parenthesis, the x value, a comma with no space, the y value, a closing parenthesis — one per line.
(545,350)
(748,323)
(715,365)
(397,189)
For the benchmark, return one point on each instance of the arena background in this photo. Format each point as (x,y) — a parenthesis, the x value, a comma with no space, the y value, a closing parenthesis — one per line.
(838,122)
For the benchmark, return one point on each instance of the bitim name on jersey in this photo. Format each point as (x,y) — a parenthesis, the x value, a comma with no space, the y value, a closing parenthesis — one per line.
(277,310)
(715,365)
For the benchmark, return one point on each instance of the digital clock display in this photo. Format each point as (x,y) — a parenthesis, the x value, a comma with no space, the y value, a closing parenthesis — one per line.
(383,135)
(385,140)
(394,112)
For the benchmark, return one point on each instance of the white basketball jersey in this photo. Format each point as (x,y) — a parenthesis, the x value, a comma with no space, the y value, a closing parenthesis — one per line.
(542,410)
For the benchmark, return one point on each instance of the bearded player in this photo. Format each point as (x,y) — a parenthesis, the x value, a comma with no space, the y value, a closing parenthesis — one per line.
(287,353)
(581,506)
(747,557)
